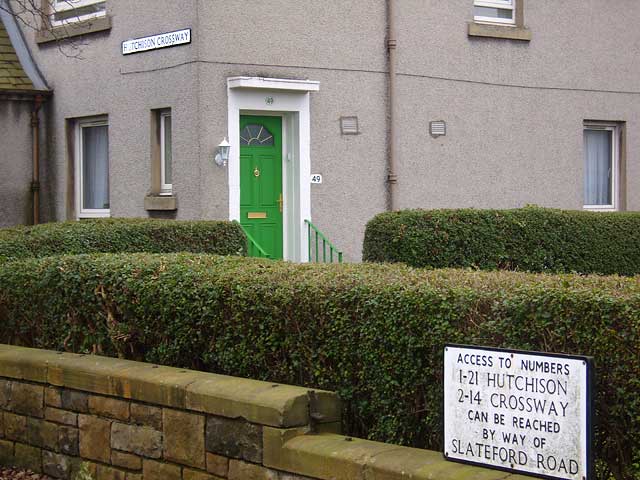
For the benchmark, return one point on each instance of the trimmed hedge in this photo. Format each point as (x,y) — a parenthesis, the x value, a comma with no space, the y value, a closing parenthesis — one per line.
(530,239)
(122,236)
(373,333)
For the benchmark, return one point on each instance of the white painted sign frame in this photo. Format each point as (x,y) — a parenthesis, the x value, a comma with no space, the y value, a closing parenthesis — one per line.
(461,430)
(156,42)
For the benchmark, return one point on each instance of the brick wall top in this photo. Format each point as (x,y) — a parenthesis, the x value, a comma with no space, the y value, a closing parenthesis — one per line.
(336,457)
(48,423)
(257,402)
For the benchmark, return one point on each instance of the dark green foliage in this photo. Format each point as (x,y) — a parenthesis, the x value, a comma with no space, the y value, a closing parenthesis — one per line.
(530,239)
(122,236)
(373,333)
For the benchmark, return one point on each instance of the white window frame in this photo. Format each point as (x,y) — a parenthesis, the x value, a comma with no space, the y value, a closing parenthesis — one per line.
(615,167)
(66,5)
(165,188)
(87,212)
(502,5)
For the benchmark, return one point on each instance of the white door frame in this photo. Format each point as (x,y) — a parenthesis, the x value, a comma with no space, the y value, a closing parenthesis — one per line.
(291,100)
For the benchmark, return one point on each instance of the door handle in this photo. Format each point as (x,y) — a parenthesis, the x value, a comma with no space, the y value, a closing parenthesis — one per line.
(280,202)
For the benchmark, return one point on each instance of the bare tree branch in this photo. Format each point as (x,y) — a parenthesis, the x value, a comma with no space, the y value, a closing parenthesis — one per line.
(40,16)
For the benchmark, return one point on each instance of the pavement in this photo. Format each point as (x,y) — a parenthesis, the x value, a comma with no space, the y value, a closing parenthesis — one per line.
(17,474)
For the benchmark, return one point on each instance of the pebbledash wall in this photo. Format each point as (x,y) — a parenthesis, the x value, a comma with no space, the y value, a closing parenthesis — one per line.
(15,196)
(133,421)
(515,109)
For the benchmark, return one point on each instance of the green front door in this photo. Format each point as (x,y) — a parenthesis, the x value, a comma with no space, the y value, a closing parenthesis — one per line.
(261,201)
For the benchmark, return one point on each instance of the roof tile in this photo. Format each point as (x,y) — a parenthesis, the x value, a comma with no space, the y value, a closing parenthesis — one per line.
(12,75)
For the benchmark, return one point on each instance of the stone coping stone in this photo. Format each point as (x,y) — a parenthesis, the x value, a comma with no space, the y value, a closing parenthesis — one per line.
(258,402)
(336,457)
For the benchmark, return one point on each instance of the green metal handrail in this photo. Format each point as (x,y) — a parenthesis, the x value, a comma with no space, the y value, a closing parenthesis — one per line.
(314,254)
(257,251)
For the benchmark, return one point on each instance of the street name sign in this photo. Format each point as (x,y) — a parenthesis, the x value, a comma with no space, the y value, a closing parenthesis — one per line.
(155,42)
(519,411)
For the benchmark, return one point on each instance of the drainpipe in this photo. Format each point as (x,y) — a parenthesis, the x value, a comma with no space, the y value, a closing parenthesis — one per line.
(35,179)
(392,44)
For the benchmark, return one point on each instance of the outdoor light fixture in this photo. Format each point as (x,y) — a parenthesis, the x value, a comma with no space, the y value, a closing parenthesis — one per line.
(222,156)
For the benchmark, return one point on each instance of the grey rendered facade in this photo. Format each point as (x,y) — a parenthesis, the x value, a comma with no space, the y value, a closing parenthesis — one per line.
(515,109)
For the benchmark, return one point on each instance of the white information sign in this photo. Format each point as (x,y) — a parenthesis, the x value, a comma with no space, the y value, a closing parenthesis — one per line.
(316,178)
(518,411)
(154,42)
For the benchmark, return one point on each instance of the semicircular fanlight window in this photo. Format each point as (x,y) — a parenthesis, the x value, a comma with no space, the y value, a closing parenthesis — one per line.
(254,135)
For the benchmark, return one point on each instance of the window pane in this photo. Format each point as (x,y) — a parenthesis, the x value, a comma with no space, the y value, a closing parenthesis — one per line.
(502,13)
(72,14)
(168,154)
(256,136)
(598,167)
(95,167)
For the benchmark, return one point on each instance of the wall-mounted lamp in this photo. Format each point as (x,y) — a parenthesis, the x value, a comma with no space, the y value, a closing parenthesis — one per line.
(222,156)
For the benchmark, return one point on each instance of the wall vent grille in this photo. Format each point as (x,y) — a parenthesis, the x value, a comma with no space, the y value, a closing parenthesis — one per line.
(349,125)
(438,128)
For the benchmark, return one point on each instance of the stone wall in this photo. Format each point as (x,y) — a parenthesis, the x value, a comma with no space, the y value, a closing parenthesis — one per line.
(132,421)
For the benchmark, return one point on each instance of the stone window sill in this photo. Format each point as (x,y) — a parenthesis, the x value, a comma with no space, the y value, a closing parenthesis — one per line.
(94,25)
(163,203)
(499,31)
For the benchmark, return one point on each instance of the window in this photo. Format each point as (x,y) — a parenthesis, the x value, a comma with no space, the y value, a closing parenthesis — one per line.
(255,135)
(166,153)
(495,11)
(601,166)
(92,168)
(69,11)
(502,19)
(161,196)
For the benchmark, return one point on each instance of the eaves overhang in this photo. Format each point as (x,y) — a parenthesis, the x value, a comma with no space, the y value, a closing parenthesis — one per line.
(25,95)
